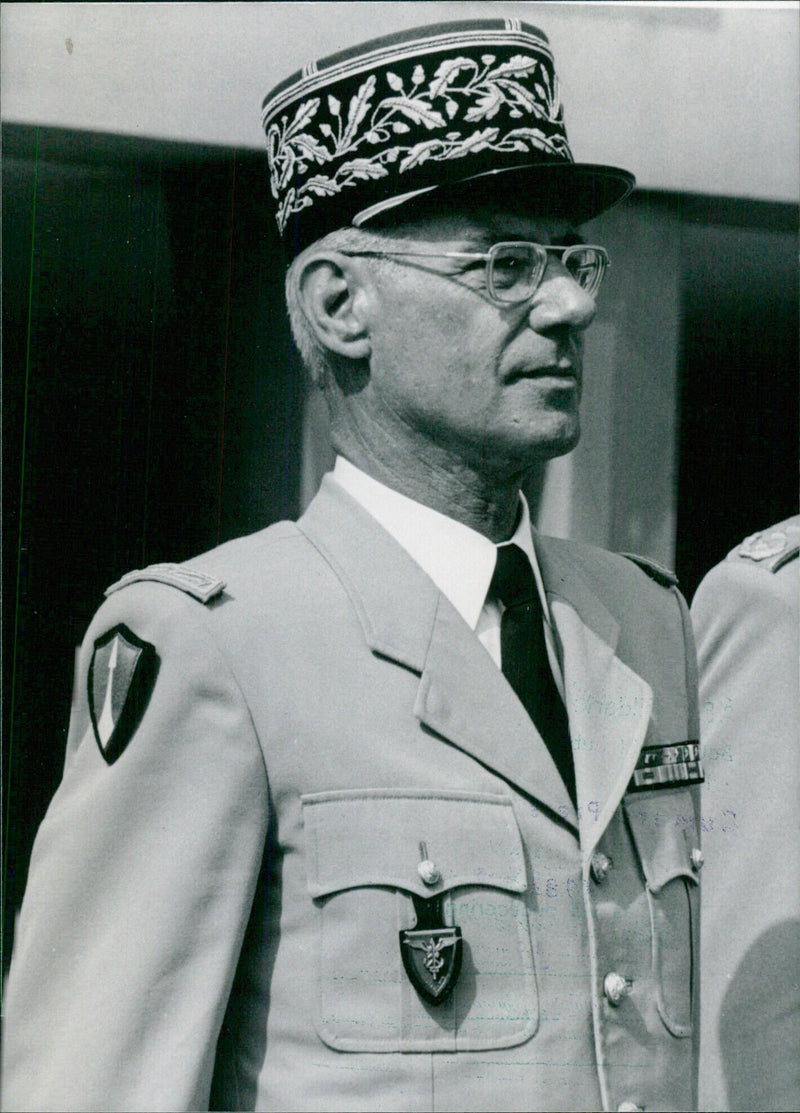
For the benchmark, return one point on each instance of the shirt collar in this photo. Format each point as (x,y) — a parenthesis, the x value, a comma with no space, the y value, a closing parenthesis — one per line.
(459,560)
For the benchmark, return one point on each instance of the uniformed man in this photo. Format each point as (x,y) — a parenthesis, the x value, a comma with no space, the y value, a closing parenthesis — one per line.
(747,619)
(391,808)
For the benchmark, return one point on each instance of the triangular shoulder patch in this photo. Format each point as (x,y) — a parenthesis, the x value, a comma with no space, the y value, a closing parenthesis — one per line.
(122,675)
(193,581)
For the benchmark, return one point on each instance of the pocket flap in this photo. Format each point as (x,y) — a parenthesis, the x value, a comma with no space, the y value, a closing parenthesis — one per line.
(663,827)
(372,837)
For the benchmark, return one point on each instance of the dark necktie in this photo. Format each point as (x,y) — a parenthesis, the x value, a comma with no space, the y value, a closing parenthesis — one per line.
(524,656)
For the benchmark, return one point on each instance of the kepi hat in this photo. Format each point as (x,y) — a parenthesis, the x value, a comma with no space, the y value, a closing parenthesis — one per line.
(434,108)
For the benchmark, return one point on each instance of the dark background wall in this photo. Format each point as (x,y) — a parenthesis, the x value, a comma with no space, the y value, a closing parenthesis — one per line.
(153,400)
(738,459)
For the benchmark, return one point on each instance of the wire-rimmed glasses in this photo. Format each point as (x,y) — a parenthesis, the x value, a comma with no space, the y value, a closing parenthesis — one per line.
(515,269)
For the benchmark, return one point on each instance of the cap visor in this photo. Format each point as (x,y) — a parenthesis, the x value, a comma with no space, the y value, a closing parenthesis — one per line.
(576,192)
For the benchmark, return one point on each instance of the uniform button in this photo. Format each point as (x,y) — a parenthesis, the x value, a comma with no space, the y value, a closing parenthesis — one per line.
(616,987)
(698,858)
(429,872)
(629,1107)
(600,866)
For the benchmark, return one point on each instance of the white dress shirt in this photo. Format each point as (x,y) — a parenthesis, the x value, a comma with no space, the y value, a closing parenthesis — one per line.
(459,560)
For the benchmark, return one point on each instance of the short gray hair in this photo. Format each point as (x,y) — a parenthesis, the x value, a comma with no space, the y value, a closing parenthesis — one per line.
(320,362)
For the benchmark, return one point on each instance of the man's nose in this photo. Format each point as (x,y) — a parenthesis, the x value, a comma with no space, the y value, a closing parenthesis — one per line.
(561,301)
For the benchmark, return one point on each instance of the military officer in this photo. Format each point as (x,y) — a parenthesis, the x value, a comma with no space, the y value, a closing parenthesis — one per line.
(746,614)
(394,807)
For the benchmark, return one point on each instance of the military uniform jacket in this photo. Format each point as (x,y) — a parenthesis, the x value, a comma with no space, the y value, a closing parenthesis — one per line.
(215,916)
(745,615)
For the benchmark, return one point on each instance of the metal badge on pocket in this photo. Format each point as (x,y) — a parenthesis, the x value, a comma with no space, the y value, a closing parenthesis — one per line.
(431,951)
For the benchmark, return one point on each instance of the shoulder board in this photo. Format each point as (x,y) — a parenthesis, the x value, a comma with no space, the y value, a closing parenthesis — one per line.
(771,548)
(654,570)
(191,580)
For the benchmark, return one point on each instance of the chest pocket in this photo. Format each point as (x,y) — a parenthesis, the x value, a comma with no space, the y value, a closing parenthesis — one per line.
(363,852)
(663,826)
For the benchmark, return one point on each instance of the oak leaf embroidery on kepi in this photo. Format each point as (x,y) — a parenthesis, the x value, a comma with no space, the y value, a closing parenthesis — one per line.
(459,85)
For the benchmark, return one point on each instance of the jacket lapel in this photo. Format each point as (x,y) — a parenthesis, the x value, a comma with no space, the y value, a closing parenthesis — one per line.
(466,698)
(462,694)
(608,704)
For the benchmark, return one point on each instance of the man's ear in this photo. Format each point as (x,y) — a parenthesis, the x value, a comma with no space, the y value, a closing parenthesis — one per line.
(332,299)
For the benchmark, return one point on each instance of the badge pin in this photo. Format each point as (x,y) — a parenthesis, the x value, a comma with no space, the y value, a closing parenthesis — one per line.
(122,675)
(431,951)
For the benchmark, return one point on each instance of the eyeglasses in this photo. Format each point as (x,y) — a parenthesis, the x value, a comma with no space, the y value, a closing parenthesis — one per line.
(514,270)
